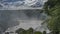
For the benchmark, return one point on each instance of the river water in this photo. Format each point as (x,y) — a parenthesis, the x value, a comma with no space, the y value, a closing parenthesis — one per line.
(11,20)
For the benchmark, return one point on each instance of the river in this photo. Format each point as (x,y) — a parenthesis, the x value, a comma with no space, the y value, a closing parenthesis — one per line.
(11,20)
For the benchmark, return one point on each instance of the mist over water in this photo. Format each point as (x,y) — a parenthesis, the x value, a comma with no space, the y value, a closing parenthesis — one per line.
(11,20)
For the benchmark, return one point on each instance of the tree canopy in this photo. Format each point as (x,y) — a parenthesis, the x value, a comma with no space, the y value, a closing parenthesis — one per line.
(29,31)
(52,9)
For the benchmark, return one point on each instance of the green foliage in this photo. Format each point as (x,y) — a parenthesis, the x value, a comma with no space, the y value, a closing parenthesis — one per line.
(19,30)
(23,32)
(44,32)
(52,8)
(54,23)
(37,32)
(29,31)
(7,33)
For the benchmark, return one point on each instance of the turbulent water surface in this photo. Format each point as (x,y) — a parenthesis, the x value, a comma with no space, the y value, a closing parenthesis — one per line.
(15,14)
(11,20)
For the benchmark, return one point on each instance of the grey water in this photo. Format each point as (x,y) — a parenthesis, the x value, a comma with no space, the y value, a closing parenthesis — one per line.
(11,20)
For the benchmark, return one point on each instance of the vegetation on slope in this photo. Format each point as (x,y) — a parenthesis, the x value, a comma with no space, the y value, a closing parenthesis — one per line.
(52,9)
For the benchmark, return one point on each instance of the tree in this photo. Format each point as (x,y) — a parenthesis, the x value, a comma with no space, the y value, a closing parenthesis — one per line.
(44,32)
(20,30)
(30,31)
(37,32)
(7,33)
(23,32)
(52,8)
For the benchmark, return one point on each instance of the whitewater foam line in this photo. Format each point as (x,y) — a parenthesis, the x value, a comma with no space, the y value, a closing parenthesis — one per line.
(25,8)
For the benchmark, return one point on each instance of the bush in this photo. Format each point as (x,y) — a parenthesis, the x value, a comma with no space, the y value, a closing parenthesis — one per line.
(44,32)
(37,32)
